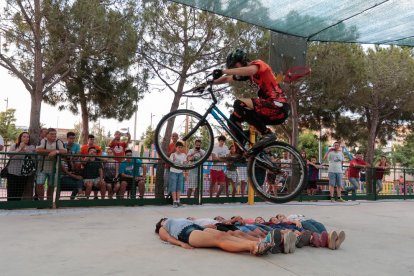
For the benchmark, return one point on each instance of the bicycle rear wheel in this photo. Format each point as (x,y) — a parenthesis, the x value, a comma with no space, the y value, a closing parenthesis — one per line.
(277,172)
(189,126)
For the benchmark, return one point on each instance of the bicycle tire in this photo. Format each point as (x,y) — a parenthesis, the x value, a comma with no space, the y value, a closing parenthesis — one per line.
(194,118)
(295,173)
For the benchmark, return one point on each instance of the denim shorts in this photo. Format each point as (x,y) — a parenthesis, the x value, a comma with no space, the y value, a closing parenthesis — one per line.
(184,235)
(175,182)
(95,181)
(43,176)
(335,179)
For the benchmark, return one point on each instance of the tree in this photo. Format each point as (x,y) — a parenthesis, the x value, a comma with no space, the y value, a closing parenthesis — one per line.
(23,25)
(99,78)
(8,129)
(366,95)
(179,45)
(404,154)
(148,137)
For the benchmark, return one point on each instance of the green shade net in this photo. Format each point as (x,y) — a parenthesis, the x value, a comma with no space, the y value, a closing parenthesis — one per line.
(360,21)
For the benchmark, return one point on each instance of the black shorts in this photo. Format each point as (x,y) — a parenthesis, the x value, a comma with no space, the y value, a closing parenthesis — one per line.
(184,235)
(226,227)
(129,182)
(312,184)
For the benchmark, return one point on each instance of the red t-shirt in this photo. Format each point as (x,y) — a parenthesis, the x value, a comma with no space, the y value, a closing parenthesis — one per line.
(119,149)
(380,172)
(354,172)
(171,149)
(266,80)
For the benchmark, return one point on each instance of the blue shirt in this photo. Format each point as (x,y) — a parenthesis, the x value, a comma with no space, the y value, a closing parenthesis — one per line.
(75,148)
(127,167)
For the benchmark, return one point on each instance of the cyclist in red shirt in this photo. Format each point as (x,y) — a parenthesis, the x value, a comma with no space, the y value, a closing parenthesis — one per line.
(355,167)
(269,108)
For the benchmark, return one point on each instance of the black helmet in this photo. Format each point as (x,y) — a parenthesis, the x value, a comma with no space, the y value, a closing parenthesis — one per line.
(236,56)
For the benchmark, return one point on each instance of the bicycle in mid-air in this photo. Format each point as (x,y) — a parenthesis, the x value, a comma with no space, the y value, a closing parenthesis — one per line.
(265,163)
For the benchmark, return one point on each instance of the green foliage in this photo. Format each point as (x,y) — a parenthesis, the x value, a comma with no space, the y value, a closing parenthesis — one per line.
(404,154)
(309,143)
(98,76)
(362,95)
(148,137)
(8,129)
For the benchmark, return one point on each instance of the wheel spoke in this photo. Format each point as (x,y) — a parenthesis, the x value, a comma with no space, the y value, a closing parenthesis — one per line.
(278,173)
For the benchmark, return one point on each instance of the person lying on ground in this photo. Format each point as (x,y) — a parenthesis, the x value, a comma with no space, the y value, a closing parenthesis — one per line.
(332,240)
(228,228)
(185,233)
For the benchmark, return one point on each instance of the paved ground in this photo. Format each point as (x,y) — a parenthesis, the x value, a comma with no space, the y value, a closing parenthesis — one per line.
(121,241)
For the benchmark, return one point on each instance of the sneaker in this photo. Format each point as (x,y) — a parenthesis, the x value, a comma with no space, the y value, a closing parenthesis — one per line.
(269,237)
(332,199)
(303,239)
(262,248)
(179,204)
(267,138)
(289,242)
(73,194)
(340,199)
(292,244)
(264,161)
(277,240)
(332,237)
(340,239)
(315,240)
(324,239)
(175,205)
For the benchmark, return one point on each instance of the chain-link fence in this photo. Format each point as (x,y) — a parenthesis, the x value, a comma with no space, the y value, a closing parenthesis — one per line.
(34,180)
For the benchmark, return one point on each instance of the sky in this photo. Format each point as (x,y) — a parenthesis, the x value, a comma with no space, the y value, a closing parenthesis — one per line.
(155,105)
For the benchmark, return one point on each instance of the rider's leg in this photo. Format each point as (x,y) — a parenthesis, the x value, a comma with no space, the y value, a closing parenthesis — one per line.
(241,106)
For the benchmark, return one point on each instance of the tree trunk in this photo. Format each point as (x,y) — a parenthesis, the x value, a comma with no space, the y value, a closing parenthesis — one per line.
(36,104)
(37,92)
(84,115)
(294,115)
(159,182)
(372,134)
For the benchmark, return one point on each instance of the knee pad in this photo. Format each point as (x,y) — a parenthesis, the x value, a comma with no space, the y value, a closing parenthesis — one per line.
(240,108)
(235,118)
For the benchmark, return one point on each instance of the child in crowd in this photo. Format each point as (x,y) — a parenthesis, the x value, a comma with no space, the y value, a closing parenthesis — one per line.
(176,177)
(313,175)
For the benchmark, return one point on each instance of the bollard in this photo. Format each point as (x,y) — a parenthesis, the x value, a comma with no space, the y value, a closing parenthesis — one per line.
(250,191)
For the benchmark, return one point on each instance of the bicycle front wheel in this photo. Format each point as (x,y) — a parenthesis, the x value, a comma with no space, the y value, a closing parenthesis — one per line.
(190,127)
(278,173)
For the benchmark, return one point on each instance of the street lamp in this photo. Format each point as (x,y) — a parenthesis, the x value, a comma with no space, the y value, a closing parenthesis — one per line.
(152,115)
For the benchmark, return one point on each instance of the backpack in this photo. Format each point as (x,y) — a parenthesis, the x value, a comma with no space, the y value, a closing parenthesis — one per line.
(44,157)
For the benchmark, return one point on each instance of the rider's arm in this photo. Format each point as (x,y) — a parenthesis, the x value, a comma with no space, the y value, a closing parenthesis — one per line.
(223,79)
(242,71)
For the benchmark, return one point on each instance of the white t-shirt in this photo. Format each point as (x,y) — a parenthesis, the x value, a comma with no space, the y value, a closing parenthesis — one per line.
(288,167)
(196,154)
(220,152)
(298,217)
(205,221)
(335,159)
(178,159)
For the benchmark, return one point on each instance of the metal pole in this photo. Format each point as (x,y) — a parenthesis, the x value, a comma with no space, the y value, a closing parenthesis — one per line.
(250,191)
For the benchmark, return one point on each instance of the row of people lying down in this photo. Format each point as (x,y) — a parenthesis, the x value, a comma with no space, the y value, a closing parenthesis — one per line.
(257,236)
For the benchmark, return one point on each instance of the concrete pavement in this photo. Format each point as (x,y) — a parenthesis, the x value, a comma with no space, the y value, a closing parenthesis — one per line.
(121,241)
